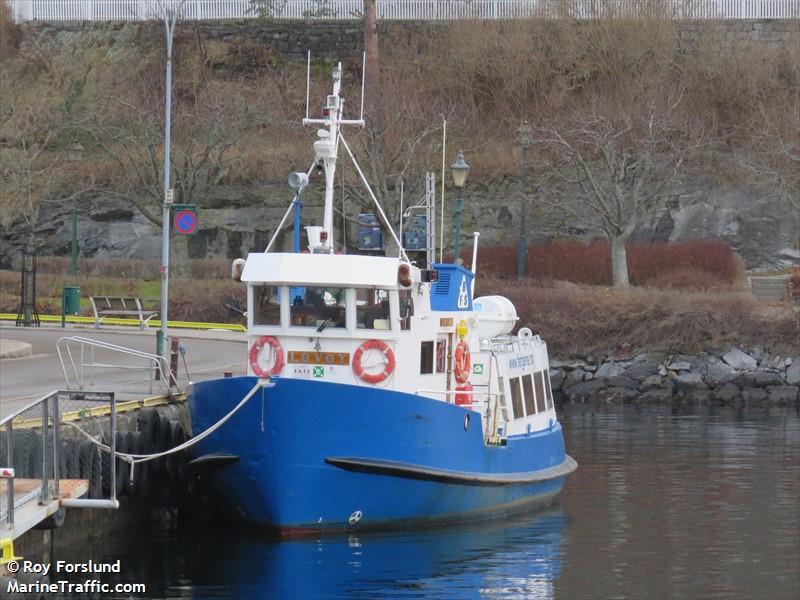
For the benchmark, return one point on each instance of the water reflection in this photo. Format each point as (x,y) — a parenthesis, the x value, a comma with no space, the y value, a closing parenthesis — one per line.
(682,503)
(667,502)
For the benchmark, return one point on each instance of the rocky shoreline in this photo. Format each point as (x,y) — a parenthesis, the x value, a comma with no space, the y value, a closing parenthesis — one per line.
(728,376)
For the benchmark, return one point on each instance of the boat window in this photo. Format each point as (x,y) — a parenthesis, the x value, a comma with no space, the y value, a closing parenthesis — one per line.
(372,309)
(441,355)
(549,397)
(426,358)
(406,309)
(538,381)
(267,301)
(319,307)
(516,398)
(527,387)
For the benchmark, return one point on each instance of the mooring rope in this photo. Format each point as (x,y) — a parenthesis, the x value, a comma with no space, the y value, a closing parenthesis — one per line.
(134,459)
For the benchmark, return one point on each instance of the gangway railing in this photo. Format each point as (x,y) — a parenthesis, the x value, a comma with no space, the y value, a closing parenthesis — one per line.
(79,364)
(50,464)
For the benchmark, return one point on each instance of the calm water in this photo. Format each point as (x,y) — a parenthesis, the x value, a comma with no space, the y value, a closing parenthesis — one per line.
(665,504)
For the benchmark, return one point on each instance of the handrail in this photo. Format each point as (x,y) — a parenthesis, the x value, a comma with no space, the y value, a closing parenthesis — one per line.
(49,421)
(19,411)
(159,362)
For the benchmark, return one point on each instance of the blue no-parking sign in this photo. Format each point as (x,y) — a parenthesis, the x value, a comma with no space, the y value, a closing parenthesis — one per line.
(184,219)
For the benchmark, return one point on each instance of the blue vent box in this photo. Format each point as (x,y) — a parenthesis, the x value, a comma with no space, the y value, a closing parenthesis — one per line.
(453,291)
(369,233)
(415,237)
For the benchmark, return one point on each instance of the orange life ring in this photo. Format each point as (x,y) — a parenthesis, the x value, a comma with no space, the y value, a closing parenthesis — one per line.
(388,368)
(463,362)
(277,351)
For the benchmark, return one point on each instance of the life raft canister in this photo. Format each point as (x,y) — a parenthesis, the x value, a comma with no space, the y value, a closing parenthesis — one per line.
(389,364)
(463,362)
(277,353)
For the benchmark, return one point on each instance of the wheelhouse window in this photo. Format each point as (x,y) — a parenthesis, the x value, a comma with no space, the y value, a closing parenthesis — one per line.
(527,386)
(372,309)
(516,398)
(267,305)
(538,381)
(548,390)
(320,307)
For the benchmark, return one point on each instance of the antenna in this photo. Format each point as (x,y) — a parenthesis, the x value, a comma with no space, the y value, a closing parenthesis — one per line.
(308,80)
(363,79)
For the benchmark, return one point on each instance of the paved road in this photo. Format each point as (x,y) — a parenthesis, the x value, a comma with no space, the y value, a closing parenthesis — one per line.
(208,354)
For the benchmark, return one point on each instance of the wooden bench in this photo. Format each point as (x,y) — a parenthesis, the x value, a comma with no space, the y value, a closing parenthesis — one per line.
(120,306)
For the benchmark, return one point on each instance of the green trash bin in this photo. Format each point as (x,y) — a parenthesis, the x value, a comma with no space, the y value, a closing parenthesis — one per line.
(70,302)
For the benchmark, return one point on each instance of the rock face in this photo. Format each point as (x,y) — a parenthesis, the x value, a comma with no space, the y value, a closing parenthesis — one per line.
(725,377)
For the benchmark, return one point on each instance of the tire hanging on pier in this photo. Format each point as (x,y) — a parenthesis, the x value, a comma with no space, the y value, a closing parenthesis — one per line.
(277,356)
(388,365)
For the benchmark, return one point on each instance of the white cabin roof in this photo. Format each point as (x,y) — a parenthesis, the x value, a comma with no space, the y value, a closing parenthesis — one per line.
(340,270)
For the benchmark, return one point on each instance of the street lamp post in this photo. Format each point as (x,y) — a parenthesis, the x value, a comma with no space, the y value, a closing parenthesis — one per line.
(75,154)
(459,170)
(525,139)
(171,12)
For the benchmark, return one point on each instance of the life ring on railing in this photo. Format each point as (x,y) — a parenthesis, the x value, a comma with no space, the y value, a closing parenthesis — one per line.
(389,361)
(463,362)
(277,353)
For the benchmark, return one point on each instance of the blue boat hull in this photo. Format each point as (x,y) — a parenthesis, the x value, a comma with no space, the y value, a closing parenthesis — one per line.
(316,455)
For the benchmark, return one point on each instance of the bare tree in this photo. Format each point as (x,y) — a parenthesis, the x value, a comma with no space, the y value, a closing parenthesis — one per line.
(617,168)
(774,157)
(132,137)
(33,170)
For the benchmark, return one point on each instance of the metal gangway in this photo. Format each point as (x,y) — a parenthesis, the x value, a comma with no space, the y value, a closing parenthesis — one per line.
(60,451)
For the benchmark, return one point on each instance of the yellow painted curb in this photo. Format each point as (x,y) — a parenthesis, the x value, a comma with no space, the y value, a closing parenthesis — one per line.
(151,324)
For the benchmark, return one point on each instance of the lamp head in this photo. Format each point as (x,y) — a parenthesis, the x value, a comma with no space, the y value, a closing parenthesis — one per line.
(459,170)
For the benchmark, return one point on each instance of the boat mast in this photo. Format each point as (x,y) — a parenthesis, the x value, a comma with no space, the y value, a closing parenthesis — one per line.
(326,148)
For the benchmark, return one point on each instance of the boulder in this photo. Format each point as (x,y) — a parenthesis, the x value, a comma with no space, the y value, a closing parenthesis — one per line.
(573,377)
(771,363)
(679,366)
(793,372)
(688,382)
(760,379)
(641,369)
(623,394)
(657,395)
(609,369)
(739,359)
(782,394)
(653,382)
(717,374)
(583,391)
(727,393)
(622,381)
(754,394)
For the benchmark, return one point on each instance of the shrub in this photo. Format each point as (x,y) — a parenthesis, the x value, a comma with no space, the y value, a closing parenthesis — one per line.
(685,265)
(577,320)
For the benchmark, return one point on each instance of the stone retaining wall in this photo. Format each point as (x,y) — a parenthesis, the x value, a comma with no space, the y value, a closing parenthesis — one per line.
(724,377)
(340,40)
